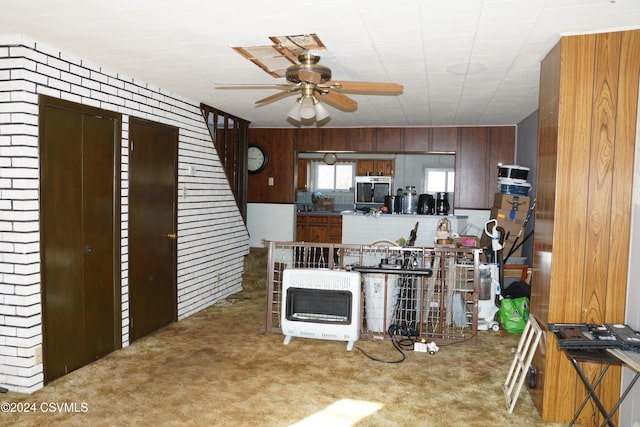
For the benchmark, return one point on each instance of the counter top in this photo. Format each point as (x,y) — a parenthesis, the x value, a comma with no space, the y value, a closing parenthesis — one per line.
(365,229)
(404,216)
(319,213)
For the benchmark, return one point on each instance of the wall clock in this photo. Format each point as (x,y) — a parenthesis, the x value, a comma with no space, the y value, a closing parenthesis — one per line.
(330,158)
(257,158)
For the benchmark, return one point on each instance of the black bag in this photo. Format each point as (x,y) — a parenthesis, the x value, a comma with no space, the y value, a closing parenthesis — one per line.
(517,289)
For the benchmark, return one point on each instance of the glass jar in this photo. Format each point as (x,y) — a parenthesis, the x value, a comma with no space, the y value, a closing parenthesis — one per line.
(410,200)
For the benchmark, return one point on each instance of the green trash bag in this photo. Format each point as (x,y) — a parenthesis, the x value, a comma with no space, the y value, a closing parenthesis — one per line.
(513,314)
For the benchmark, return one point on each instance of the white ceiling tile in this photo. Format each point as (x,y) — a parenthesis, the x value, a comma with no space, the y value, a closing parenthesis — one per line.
(185,47)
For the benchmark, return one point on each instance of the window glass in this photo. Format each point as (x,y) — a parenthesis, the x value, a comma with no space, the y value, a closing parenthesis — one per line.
(334,177)
(439,180)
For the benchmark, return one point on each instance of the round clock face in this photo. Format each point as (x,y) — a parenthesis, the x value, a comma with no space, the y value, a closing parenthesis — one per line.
(256,158)
(330,158)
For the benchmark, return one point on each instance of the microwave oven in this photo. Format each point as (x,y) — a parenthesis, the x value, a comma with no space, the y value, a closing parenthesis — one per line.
(372,189)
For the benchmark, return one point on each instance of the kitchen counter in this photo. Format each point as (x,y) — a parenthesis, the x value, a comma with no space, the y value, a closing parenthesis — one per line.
(365,229)
(319,213)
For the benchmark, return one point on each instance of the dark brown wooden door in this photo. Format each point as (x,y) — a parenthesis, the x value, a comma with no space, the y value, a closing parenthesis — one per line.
(153,164)
(79,231)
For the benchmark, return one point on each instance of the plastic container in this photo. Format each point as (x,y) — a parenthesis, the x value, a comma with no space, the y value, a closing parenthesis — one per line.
(510,186)
(515,172)
(374,295)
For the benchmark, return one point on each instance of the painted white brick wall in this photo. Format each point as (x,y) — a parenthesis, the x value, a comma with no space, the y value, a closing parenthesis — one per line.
(212,237)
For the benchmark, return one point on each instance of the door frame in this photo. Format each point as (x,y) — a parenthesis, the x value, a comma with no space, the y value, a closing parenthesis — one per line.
(45,102)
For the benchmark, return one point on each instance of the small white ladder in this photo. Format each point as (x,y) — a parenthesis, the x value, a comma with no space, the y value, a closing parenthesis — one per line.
(522,361)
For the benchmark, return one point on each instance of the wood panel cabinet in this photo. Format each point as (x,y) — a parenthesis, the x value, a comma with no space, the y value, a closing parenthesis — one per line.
(319,228)
(374,167)
(389,140)
(480,150)
(472,178)
(587,119)
(431,140)
(359,139)
(445,140)
(417,140)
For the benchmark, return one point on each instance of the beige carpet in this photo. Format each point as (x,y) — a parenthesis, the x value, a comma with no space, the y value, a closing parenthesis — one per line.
(216,369)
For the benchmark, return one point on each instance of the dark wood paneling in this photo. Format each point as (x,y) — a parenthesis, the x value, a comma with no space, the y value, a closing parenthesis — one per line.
(308,140)
(416,139)
(360,139)
(501,151)
(283,144)
(472,179)
(334,139)
(279,144)
(444,140)
(388,140)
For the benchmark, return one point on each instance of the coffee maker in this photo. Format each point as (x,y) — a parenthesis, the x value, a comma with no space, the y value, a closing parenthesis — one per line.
(442,203)
(426,204)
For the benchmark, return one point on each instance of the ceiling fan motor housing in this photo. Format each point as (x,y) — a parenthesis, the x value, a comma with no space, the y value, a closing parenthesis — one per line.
(308,62)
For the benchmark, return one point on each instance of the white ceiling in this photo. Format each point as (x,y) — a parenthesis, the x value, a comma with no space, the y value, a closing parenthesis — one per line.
(185,47)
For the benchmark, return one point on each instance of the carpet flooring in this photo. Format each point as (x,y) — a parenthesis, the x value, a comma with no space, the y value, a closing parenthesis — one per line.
(216,368)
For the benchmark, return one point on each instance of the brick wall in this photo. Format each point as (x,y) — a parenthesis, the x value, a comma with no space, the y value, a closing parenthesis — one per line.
(212,238)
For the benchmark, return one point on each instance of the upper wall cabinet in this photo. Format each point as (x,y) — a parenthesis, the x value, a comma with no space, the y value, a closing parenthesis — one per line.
(478,151)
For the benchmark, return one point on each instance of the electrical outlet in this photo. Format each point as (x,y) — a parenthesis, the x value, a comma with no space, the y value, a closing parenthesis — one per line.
(37,355)
(271,181)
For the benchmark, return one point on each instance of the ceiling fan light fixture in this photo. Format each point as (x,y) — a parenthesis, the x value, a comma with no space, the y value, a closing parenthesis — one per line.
(321,111)
(294,112)
(307,110)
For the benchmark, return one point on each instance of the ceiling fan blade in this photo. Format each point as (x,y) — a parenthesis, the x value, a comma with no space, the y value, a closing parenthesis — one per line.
(338,100)
(365,87)
(277,96)
(309,76)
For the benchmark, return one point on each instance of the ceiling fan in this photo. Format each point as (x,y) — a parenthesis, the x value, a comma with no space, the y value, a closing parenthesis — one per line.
(312,81)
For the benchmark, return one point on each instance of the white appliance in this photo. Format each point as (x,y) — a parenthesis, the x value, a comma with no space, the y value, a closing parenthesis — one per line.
(321,304)
(372,189)
(489,290)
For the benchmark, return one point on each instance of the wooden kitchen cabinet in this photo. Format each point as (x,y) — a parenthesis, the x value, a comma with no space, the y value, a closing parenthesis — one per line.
(389,140)
(374,167)
(472,177)
(480,150)
(319,228)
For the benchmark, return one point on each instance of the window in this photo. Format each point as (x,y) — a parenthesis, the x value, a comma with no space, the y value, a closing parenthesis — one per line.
(334,177)
(439,180)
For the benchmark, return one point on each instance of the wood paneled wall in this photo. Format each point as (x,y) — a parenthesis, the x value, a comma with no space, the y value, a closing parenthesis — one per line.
(478,152)
(586,143)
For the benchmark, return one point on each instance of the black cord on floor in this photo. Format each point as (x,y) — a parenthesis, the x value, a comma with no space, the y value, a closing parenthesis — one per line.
(406,342)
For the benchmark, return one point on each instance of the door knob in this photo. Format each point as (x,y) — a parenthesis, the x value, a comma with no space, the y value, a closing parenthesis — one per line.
(169,235)
(87,250)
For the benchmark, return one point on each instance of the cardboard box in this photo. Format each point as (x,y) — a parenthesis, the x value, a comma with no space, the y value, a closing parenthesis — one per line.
(511,216)
(511,221)
(512,202)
